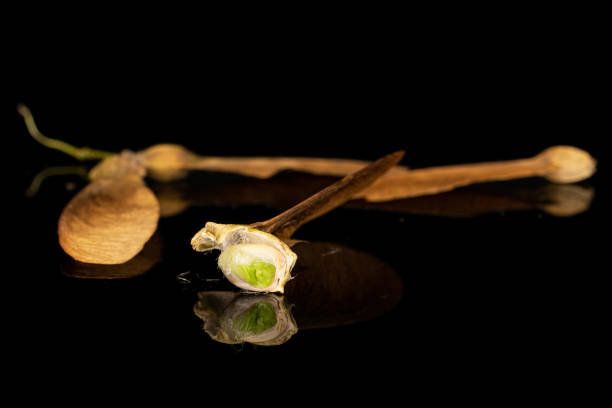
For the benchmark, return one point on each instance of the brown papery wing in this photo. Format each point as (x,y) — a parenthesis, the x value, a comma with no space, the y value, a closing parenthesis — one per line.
(109,221)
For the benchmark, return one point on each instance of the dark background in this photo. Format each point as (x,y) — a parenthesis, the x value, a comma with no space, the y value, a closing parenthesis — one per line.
(445,85)
(496,301)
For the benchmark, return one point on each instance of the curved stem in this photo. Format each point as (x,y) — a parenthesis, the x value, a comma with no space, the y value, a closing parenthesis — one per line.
(80,153)
(53,171)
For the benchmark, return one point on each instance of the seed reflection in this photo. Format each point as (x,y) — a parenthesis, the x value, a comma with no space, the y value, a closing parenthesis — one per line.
(333,285)
(234,318)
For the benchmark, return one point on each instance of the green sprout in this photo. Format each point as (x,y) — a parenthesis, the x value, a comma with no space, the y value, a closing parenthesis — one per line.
(258,273)
(254,264)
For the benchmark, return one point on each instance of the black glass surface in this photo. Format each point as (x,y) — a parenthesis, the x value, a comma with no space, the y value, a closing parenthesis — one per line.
(482,285)
(431,281)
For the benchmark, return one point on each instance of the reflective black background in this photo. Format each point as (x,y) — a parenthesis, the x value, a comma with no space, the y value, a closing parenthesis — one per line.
(507,297)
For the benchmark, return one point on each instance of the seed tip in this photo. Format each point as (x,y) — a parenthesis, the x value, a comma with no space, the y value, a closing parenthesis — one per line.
(22,109)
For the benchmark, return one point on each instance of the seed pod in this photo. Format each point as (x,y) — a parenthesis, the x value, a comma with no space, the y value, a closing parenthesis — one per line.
(234,318)
(568,164)
(111,219)
(166,162)
(251,259)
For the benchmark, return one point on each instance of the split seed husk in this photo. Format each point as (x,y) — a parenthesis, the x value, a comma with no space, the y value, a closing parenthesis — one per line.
(241,246)
(251,254)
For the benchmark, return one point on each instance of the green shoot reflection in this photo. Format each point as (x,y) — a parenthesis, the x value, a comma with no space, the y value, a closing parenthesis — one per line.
(53,171)
(333,285)
(235,318)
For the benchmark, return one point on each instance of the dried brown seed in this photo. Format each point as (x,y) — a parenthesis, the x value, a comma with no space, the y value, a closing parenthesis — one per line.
(167,162)
(110,220)
(561,164)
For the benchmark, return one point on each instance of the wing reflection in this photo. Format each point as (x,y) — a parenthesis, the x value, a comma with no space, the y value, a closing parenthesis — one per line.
(560,200)
(286,189)
(336,285)
(144,261)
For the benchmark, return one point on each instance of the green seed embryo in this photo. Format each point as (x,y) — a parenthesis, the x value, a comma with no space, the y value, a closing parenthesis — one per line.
(257,273)
(252,263)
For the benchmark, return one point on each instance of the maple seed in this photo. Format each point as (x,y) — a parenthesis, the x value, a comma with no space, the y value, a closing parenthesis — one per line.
(112,218)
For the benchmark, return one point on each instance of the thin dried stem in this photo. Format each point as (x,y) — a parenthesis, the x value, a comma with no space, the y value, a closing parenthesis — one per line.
(265,167)
(79,153)
(286,223)
(167,162)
